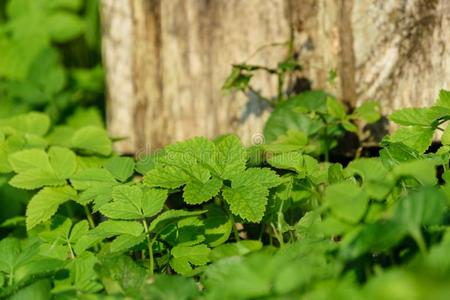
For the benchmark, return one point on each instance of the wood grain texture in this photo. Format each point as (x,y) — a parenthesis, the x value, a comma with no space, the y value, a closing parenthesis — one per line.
(167,60)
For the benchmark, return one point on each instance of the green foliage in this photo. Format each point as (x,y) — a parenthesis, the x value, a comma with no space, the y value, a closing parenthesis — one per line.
(287,226)
(50,56)
(205,219)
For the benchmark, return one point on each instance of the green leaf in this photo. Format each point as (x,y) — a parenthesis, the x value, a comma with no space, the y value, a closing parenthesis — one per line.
(368,111)
(186,257)
(120,167)
(336,108)
(423,171)
(162,288)
(153,201)
(169,217)
(196,192)
(247,196)
(45,203)
(347,201)
(126,204)
(418,138)
(413,116)
(32,123)
(92,139)
(63,161)
(64,26)
(231,157)
(36,168)
(293,140)
(288,161)
(108,229)
(374,175)
(423,207)
(286,116)
(91,177)
(126,241)
(445,139)
(443,99)
(235,249)
(217,225)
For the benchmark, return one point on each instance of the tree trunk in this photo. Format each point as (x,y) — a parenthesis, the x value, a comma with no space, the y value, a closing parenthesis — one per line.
(167,60)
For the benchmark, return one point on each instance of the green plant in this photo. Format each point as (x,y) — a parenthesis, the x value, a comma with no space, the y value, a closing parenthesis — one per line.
(50,56)
(230,226)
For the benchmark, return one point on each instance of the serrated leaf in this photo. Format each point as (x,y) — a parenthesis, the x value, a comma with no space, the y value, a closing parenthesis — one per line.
(92,139)
(87,178)
(231,157)
(418,138)
(196,192)
(126,204)
(63,161)
(413,116)
(247,196)
(235,249)
(45,204)
(165,177)
(153,201)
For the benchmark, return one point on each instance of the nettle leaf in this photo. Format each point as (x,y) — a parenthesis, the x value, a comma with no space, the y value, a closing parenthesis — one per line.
(347,201)
(92,139)
(418,138)
(120,167)
(35,168)
(248,193)
(184,258)
(45,203)
(128,203)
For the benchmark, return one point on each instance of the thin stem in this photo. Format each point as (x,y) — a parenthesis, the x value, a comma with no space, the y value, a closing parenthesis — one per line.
(72,254)
(151,265)
(235,231)
(89,217)
(418,238)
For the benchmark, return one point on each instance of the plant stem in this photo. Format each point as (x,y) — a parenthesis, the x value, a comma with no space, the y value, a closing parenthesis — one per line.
(89,217)
(150,248)
(418,238)
(235,231)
